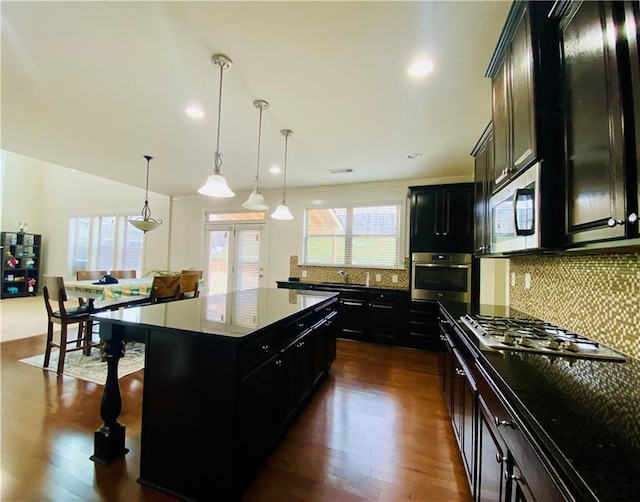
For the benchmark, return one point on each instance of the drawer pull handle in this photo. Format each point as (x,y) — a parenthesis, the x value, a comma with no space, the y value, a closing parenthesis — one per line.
(279,362)
(460,372)
(499,422)
(513,477)
(264,348)
(500,458)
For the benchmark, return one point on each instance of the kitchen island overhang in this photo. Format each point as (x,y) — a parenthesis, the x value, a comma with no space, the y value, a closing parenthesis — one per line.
(224,377)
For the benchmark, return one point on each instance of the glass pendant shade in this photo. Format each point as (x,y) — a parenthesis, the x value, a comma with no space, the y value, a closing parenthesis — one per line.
(282,213)
(256,202)
(216,186)
(145,222)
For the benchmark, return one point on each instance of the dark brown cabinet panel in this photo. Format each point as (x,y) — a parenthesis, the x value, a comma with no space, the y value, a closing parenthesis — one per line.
(441,218)
(483,168)
(491,459)
(594,128)
(371,316)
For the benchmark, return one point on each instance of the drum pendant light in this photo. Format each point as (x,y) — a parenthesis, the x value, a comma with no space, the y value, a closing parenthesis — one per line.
(256,200)
(216,185)
(282,211)
(146,222)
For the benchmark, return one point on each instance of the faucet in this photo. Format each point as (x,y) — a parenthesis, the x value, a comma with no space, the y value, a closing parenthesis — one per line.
(345,275)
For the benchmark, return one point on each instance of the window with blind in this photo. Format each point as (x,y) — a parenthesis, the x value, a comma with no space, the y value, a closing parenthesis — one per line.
(366,236)
(104,243)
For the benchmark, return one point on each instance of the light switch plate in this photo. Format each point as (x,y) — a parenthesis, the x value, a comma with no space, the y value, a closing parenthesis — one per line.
(378,277)
(527,281)
(304,273)
(513,279)
(394,278)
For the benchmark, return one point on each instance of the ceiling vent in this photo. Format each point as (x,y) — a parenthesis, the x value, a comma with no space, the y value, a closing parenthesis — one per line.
(345,170)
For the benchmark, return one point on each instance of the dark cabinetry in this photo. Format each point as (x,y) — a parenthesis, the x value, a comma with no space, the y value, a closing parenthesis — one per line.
(600,148)
(501,463)
(483,169)
(371,316)
(20,264)
(441,218)
(422,332)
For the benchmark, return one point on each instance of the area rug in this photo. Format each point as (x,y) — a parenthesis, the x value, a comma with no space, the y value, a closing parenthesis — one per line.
(92,368)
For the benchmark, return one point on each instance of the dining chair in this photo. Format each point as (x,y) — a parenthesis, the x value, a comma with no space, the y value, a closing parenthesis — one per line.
(54,296)
(192,271)
(189,284)
(166,288)
(88,275)
(124,274)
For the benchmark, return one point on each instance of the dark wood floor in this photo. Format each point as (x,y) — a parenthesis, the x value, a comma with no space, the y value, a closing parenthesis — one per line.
(377,429)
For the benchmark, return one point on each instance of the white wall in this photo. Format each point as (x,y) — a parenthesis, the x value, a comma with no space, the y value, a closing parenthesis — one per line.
(58,193)
(494,273)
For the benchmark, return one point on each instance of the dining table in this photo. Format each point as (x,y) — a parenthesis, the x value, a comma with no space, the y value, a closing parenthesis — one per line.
(103,294)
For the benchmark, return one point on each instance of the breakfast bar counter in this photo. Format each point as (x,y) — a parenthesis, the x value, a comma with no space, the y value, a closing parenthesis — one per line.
(224,378)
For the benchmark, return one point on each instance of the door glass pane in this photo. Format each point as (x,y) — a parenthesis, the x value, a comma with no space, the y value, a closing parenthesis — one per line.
(247,265)
(78,244)
(218,268)
(107,233)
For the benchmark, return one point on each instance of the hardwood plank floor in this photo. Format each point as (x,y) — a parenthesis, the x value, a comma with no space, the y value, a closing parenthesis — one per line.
(377,429)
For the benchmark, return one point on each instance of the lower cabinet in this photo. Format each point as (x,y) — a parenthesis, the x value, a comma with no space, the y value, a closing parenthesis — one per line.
(501,463)
(422,331)
(371,316)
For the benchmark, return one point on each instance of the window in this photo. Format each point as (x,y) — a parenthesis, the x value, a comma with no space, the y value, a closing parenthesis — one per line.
(366,236)
(104,243)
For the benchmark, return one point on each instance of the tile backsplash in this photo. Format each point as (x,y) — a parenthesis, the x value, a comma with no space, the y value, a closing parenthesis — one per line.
(595,295)
(357,275)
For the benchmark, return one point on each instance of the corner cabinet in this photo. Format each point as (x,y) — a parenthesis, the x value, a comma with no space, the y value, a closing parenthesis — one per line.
(601,99)
(20,264)
(441,218)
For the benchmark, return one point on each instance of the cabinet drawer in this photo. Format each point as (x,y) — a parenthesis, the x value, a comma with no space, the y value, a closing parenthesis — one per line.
(258,350)
(383,297)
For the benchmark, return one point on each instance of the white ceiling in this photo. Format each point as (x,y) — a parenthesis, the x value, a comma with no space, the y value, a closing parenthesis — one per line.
(94,86)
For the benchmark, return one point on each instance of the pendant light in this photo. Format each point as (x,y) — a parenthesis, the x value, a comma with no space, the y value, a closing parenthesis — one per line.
(282,211)
(146,222)
(216,185)
(256,200)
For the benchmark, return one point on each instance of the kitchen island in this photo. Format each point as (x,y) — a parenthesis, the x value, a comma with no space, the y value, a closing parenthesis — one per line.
(224,378)
(540,427)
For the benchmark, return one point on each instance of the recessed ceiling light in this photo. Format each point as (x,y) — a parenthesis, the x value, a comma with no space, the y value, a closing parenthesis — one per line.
(414,155)
(275,170)
(420,68)
(195,112)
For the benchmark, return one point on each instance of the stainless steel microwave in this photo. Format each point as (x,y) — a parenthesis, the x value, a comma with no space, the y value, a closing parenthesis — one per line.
(441,276)
(514,214)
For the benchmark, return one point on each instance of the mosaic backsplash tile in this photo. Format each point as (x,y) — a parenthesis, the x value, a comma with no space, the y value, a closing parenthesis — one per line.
(317,274)
(595,295)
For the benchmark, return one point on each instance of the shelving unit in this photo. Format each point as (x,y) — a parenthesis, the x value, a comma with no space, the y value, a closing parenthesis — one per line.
(20,264)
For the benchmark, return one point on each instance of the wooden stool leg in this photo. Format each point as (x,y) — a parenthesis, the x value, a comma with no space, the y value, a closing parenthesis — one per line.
(88,337)
(47,351)
(63,348)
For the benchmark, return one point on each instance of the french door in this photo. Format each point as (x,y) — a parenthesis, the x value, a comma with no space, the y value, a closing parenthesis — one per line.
(235,254)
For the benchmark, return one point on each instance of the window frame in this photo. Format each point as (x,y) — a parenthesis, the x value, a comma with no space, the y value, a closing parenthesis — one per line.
(399,265)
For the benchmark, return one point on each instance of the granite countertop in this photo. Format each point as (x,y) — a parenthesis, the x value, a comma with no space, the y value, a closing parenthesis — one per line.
(586,413)
(235,314)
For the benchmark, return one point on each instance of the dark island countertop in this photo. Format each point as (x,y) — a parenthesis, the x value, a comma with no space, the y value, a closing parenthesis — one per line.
(234,314)
(336,286)
(585,413)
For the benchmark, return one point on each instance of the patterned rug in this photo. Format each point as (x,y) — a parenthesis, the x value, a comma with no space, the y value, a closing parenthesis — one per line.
(91,368)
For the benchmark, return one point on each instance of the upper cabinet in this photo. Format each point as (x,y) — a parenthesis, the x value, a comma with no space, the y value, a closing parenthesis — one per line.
(441,218)
(599,94)
(483,155)
(519,69)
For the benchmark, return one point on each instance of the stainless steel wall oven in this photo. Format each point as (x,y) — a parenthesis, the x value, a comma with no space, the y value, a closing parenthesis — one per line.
(441,276)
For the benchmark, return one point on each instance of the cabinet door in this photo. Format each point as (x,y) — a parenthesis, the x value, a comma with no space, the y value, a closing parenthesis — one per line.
(425,214)
(457,228)
(257,414)
(463,414)
(483,168)
(594,157)
(287,385)
(491,460)
(523,149)
(383,321)
(632,18)
(501,127)
(354,318)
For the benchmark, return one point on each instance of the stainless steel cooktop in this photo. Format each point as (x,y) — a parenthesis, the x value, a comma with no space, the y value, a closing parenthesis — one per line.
(535,335)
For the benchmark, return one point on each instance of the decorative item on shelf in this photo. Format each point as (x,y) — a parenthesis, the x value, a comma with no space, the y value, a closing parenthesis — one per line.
(22,227)
(216,185)
(12,290)
(29,263)
(12,263)
(10,278)
(146,222)
(31,284)
(256,200)
(282,211)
